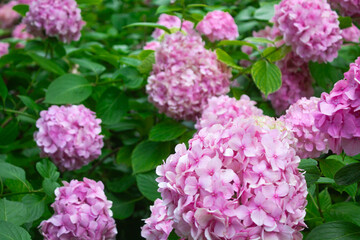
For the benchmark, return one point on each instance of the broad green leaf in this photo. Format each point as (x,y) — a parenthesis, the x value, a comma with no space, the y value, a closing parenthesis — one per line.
(347,175)
(236,43)
(267,76)
(9,133)
(124,155)
(222,56)
(29,103)
(133,62)
(92,66)
(147,185)
(147,64)
(131,77)
(89,2)
(121,208)
(148,24)
(167,9)
(35,206)
(3,89)
(312,172)
(14,212)
(259,40)
(345,22)
(265,12)
(325,199)
(166,131)
(9,231)
(348,211)
(16,186)
(47,169)
(339,230)
(49,187)
(22,9)
(324,74)
(330,166)
(47,64)
(121,184)
(68,89)
(10,171)
(274,54)
(147,155)
(194,5)
(112,106)
(173,236)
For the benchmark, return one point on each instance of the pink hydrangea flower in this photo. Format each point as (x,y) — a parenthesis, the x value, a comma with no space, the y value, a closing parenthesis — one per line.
(310,27)
(20,32)
(170,21)
(4,48)
(82,211)
(61,18)
(158,226)
(69,135)
(349,8)
(221,110)
(296,83)
(218,25)
(8,16)
(238,181)
(300,118)
(339,113)
(184,76)
(351,34)
(153,45)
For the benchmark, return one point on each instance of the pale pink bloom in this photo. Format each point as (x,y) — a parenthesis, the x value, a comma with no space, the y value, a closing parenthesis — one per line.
(310,27)
(170,21)
(4,48)
(81,211)
(184,76)
(153,45)
(54,18)
(69,135)
(351,34)
(8,16)
(20,32)
(349,8)
(218,25)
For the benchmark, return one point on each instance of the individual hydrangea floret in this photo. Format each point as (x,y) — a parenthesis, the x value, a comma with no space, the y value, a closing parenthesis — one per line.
(349,8)
(221,110)
(238,181)
(82,211)
(158,226)
(4,48)
(217,26)
(20,32)
(69,135)
(310,27)
(351,34)
(8,16)
(339,113)
(170,21)
(300,118)
(184,76)
(51,18)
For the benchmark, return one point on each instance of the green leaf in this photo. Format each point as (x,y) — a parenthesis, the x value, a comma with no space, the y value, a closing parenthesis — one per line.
(325,199)
(10,171)
(3,89)
(47,64)
(35,206)
(133,62)
(29,103)
(147,155)
(330,166)
(121,208)
(131,77)
(112,106)
(339,230)
(22,9)
(92,66)
(68,89)
(173,236)
(167,131)
(49,187)
(345,210)
(147,64)
(222,56)
(124,155)
(9,231)
(265,12)
(259,40)
(267,76)
(148,24)
(347,175)
(14,212)
(345,22)
(47,169)
(236,43)
(9,133)
(147,185)
(274,54)
(167,9)
(324,74)
(122,184)
(196,5)
(312,172)
(89,2)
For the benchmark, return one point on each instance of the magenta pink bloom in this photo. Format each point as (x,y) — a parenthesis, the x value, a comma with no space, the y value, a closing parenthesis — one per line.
(310,27)
(217,26)
(300,118)
(351,34)
(8,16)
(339,113)
(20,32)
(69,135)
(349,8)
(238,181)
(153,45)
(4,48)
(82,211)
(61,18)
(170,21)
(184,76)
(223,109)
(158,226)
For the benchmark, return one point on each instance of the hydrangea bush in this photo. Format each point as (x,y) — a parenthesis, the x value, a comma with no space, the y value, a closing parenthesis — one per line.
(179,120)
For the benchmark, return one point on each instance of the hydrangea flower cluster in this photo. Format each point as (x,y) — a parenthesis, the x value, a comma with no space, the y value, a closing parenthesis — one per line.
(170,21)
(296,83)
(153,45)
(221,110)
(310,27)
(61,18)
(218,25)
(349,8)
(311,143)
(184,76)
(4,48)
(7,15)
(238,181)
(351,34)
(158,226)
(69,135)
(82,211)
(339,113)
(20,32)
